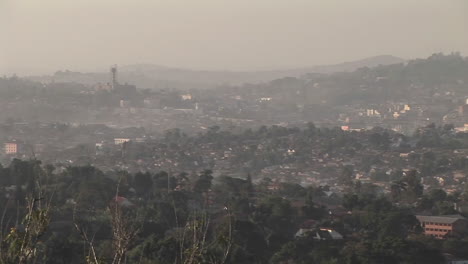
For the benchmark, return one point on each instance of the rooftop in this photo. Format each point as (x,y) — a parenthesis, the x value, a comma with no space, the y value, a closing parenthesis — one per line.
(445,219)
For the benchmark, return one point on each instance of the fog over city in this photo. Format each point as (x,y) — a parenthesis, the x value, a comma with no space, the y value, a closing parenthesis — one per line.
(234,132)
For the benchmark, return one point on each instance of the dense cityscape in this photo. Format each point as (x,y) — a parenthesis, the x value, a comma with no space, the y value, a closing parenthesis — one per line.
(323,168)
(233,132)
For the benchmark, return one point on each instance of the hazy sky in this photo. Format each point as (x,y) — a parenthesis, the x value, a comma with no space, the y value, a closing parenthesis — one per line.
(48,35)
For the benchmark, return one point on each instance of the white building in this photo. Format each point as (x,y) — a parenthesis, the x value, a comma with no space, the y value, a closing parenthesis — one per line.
(186,97)
(124,103)
(120,141)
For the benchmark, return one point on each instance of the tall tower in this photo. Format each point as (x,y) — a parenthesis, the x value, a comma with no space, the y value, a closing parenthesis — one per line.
(113,70)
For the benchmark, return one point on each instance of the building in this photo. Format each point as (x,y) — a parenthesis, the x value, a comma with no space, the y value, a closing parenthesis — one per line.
(186,97)
(120,141)
(462,129)
(103,87)
(444,225)
(309,227)
(152,103)
(124,103)
(122,89)
(39,148)
(11,148)
(327,234)
(122,201)
(372,112)
(463,110)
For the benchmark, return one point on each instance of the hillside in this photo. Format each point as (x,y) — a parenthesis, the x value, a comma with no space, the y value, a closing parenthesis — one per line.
(415,80)
(161,77)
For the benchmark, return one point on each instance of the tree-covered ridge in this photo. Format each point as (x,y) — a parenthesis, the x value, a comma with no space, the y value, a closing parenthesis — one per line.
(416,79)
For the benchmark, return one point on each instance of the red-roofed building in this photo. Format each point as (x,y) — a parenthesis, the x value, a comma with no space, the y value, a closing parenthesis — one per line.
(122,201)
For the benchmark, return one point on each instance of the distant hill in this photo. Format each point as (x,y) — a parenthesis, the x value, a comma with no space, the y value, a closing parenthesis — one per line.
(156,76)
(354,65)
(439,77)
(161,73)
(342,67)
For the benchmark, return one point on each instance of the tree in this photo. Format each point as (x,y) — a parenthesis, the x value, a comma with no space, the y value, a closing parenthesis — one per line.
(397,224)
(275,215)
(143,183)
(295,252)
(20,244)
(125,225)
(203,183)
(414,186)
(60,249)
(396,189)
(155,249)
(437,195)
(162,180)
(346,176)
(124,230)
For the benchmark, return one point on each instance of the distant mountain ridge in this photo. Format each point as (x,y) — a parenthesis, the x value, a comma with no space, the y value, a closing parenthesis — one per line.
(208,77)
(156,76)
(345,66)
(354,65)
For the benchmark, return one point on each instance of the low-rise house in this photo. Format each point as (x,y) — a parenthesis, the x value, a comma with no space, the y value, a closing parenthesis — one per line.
(327,234)
(306,227)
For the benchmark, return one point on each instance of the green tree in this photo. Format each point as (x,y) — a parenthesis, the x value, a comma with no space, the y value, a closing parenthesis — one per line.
(143,183)
(204,182)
